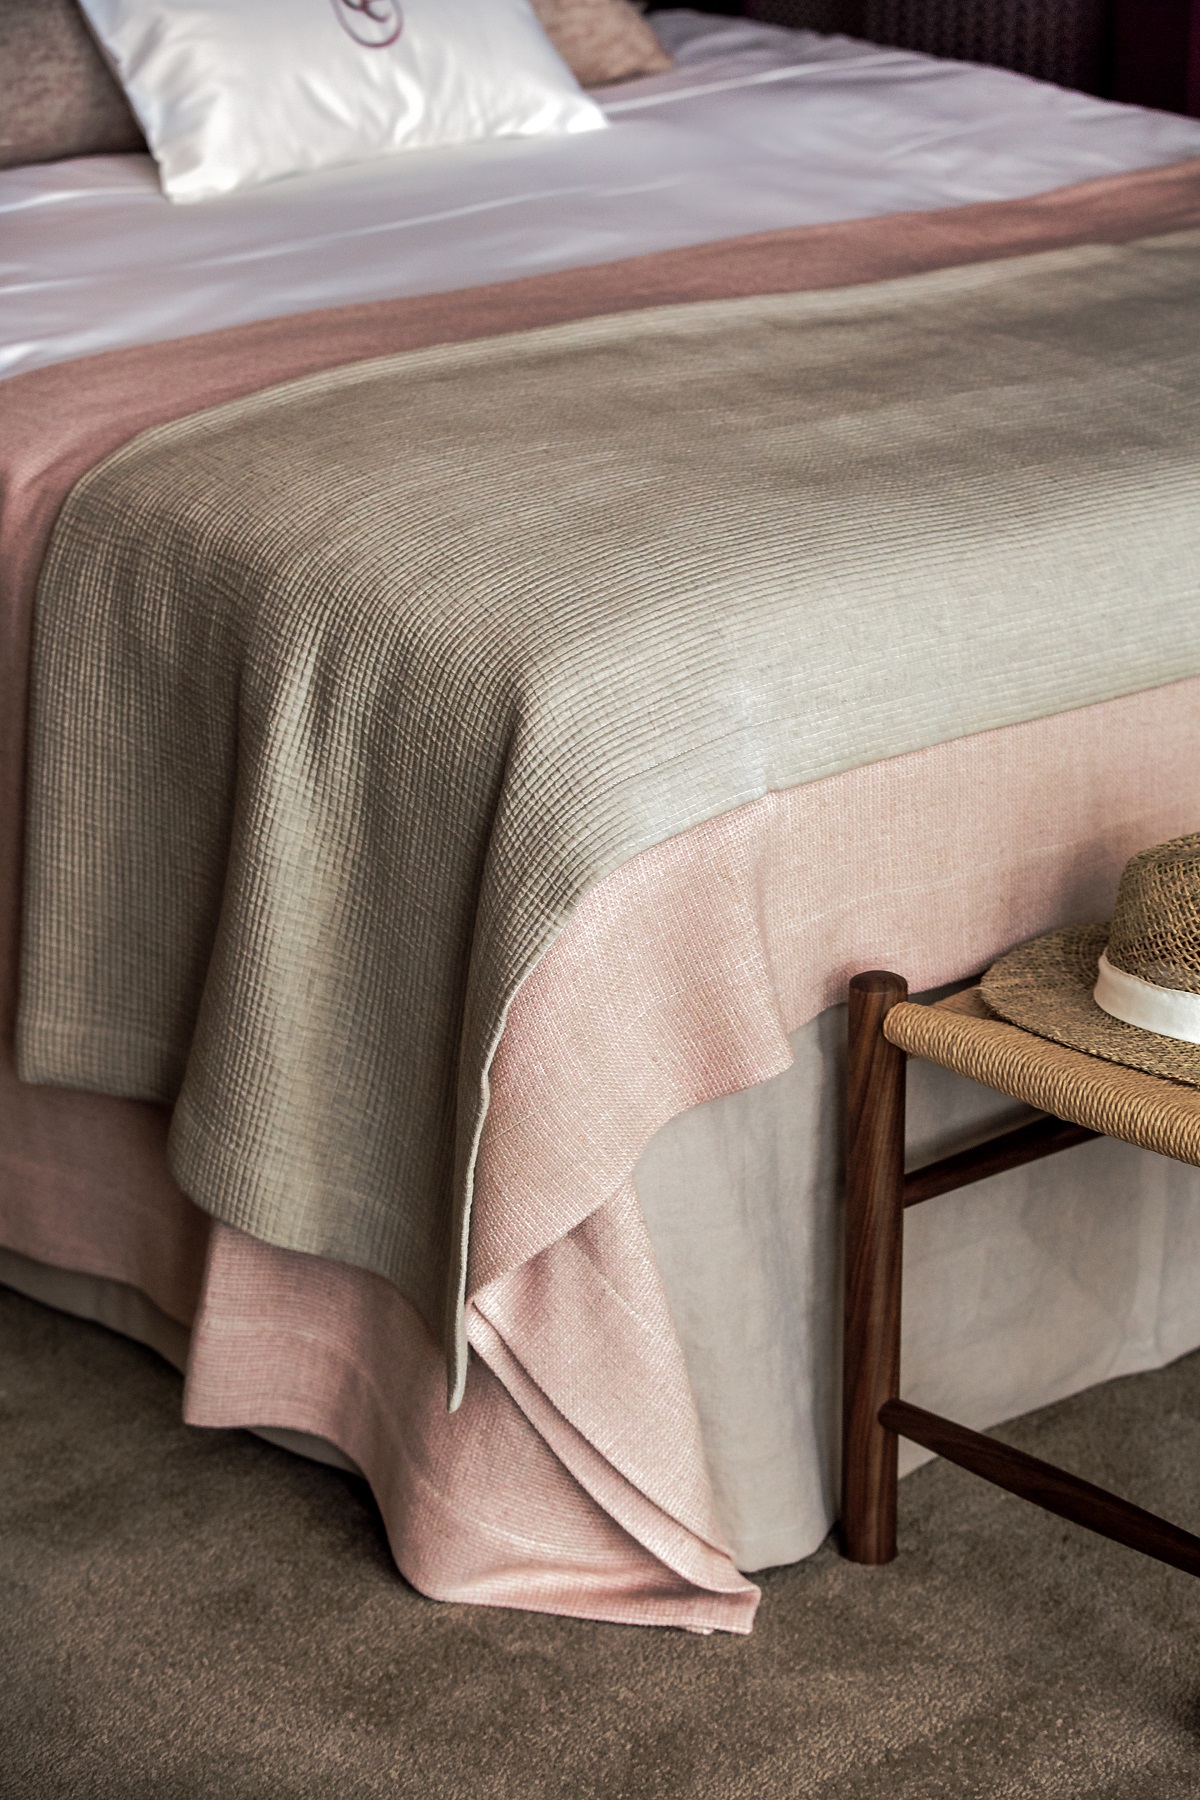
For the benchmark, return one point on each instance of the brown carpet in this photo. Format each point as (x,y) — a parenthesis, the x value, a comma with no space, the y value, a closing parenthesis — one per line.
(189,1615)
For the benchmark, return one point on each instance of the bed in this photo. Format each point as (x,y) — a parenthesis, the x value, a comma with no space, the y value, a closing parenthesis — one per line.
(647,1409)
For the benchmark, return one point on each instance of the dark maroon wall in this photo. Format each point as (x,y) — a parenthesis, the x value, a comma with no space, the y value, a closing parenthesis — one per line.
(1145,51)
(1057,40)
(1156,53)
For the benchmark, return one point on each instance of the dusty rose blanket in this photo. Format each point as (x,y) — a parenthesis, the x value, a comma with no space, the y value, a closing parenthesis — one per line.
(676,980)
(59,421)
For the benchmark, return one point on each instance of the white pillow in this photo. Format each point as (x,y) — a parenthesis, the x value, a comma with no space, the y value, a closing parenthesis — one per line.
(234,92)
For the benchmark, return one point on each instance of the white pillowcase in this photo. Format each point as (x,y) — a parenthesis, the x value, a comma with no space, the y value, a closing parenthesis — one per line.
(234,92)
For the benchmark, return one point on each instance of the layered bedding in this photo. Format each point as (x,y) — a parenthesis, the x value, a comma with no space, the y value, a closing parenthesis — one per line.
(892,659)
(417,651)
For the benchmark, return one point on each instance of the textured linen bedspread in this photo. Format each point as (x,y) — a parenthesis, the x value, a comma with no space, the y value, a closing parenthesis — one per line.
(344,693)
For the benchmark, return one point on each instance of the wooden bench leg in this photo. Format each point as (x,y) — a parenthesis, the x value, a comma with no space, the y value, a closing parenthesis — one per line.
(874,1244)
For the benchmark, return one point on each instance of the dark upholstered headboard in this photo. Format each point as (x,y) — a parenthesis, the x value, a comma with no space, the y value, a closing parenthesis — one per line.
(1145,51)
(1056,40)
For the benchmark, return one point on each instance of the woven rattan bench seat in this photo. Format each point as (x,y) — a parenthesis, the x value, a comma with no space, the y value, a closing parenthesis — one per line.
(961,1034)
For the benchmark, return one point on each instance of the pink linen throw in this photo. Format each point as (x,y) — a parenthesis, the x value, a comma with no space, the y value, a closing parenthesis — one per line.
(101,1153)
(676,981)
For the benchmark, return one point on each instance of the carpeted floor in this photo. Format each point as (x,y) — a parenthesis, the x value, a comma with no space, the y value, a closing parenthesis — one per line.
(189,1615)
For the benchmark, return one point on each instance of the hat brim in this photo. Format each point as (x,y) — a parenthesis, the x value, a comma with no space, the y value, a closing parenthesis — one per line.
(1045,986)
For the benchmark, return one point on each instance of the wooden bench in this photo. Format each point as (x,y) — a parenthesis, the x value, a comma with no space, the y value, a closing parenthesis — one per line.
(1081,1097)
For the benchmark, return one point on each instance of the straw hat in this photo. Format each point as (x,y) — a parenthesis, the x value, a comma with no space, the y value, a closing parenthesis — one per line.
(1128,991)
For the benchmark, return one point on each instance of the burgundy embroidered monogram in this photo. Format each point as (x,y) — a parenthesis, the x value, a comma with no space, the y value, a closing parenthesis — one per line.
(372,23)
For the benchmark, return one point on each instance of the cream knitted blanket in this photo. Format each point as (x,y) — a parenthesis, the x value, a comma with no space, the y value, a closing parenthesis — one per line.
(344,693)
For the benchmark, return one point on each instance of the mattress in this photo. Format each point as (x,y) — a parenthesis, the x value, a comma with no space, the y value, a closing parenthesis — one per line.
(739,1193)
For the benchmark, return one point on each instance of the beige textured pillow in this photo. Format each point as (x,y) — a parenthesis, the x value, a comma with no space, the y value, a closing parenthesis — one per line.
(601,40)
(57,97)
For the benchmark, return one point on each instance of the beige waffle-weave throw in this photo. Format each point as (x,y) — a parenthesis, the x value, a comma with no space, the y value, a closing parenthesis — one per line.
(345,692)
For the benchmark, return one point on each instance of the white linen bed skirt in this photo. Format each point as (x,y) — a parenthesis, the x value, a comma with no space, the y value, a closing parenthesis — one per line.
(1023,1289)
(1018,1291)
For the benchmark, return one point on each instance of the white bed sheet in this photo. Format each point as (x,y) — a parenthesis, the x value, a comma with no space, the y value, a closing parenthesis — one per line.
(755,129)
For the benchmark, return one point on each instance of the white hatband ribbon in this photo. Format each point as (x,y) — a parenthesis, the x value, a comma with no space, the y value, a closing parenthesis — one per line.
(1169,1011)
